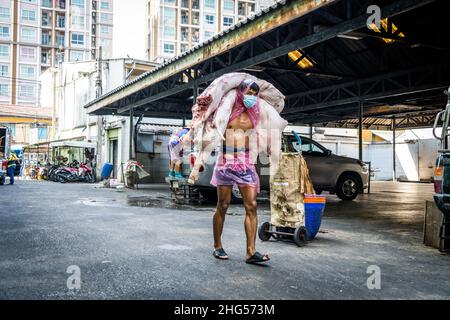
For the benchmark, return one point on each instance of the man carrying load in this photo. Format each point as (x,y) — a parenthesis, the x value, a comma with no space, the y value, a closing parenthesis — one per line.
(235,116)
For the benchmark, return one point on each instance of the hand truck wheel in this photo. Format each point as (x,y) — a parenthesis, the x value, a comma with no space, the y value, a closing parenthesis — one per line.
(264,231)
(300,236)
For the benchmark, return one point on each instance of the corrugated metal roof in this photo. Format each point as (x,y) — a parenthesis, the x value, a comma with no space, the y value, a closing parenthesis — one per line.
(234,27)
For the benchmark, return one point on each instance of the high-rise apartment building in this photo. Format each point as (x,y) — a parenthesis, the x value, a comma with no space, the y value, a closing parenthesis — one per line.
(38,34)
(174,26)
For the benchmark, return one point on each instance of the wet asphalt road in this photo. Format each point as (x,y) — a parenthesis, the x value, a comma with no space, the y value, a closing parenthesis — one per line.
(164,251)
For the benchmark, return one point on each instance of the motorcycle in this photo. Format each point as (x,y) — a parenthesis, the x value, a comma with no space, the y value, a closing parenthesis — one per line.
(86,174)
(68,173)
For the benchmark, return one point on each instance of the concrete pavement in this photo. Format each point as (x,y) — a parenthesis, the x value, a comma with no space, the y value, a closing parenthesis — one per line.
(164,251)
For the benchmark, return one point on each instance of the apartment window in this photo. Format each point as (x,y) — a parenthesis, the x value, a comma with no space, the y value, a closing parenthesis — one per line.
(46,39)
(209,19)
(5,13)
(45,57)
(104,5)
(184,17)
(76,56)
(46,3)
(104,29)
(208,34)
(42,133)
(78,3)
(169,48)
(195,35)
(170,2)
(241,9)
(60,40)
(46,19)
(228,6)
(228,21)
(251,8)
(195,18)
(105,43)
(77,38)
(211,4)
(104,17)
(4,89)
(61,21)
(4,32)
(184,34)
(4,70)
(28,15)
(28,34)
(78,21)
(27,72)
(169,23)
(27,52)
(4,50)
(26,91)
(184,47)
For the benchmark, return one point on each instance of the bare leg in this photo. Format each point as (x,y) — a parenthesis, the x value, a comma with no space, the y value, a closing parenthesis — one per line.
(251,218)
(223,202)
(178,166)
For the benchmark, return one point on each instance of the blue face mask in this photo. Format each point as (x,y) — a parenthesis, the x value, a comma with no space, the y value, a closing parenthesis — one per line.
(250,101)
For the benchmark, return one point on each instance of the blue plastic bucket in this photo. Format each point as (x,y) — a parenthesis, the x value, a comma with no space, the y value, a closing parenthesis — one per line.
(107,170)
(314,210)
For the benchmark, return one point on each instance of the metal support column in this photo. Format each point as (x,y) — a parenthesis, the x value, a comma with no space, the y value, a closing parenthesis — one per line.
(311,131)
(360,130)
(131,134)
(394,164)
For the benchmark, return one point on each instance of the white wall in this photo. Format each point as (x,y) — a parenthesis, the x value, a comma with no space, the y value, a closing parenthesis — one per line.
(414,161)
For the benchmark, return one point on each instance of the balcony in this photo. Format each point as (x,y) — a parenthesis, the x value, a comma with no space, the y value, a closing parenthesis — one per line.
(46,40)
(195,18)
(184,17)
(45,58)
(61,4)
(60,41)
(184,34)
(61,22)
(46,20)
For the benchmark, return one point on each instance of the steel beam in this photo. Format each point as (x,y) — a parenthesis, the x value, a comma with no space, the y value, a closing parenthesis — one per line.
(247,32)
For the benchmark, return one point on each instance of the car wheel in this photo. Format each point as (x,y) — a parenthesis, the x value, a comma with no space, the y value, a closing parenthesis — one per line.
(236,196)
(347,188)
(209,195)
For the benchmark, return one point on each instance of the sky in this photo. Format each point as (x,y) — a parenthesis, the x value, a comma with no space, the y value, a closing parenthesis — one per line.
(129,29)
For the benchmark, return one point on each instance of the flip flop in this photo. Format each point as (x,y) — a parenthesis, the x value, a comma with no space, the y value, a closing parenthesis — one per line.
(257,258)
(220,254)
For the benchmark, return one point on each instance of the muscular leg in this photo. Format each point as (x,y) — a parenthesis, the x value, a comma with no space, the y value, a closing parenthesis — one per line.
(251,218)
(223,202)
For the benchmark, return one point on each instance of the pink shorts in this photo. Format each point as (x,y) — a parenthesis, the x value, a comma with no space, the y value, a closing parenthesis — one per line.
(235,170)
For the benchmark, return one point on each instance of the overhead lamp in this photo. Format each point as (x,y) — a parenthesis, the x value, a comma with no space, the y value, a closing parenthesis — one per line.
(347,36)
